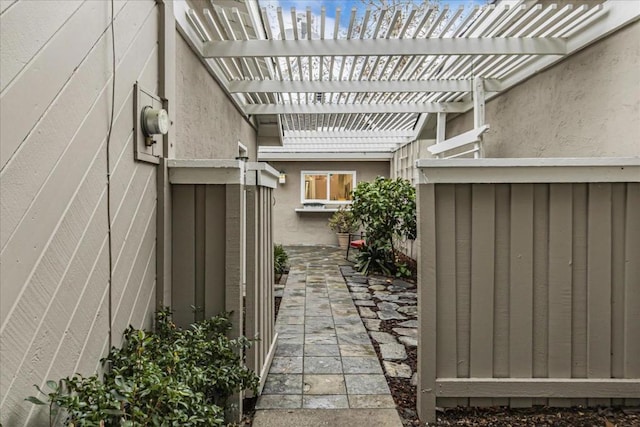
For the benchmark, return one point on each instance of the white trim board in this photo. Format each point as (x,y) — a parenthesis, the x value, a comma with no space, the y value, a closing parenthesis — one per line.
(528,170)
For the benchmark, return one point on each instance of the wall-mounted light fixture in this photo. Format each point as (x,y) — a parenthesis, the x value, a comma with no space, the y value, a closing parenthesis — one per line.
(282,179)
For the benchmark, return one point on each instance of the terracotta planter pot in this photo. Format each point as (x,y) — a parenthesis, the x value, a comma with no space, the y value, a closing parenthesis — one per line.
(343,240)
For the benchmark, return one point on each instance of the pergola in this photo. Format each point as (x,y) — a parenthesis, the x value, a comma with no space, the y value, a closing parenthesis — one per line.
(367,88)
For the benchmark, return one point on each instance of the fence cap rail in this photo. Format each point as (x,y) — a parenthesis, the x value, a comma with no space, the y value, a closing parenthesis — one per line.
(204,171)
(528,170)
(262,174)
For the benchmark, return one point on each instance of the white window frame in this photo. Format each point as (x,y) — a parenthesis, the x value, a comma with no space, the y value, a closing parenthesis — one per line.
(325,172)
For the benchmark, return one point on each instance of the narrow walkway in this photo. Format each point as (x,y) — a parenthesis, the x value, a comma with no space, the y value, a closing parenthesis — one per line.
(324,359)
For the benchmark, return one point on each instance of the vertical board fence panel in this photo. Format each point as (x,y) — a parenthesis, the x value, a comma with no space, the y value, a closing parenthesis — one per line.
(529,290)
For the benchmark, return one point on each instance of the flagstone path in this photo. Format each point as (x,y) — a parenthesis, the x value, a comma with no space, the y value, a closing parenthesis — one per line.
(324,358)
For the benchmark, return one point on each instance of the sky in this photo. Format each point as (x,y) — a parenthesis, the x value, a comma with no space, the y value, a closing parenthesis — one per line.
(331,7)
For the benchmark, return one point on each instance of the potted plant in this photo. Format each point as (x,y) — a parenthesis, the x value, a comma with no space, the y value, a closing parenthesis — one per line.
(343,222)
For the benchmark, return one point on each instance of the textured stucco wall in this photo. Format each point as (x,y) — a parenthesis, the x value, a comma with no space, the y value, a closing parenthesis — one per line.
(208,126)
(586,106)
(293,228)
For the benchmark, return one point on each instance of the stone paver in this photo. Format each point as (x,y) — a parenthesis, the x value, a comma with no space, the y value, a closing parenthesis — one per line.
(325,359)
(397,370)
(393,351)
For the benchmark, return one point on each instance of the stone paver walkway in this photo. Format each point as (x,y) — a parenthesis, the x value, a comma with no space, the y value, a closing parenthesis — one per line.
(324,358)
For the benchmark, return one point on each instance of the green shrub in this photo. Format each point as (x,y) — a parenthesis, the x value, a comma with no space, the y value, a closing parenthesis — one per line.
(169,377)
(280,259)
(343,221)
(387,210)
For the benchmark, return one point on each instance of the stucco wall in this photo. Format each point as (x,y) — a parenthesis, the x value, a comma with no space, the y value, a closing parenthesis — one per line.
(208,126)
(293,228)
(55,104)
(588,105)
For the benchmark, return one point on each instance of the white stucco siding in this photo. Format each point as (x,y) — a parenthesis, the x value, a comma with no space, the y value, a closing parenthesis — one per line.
(306,228)
(586,106)
(208,126)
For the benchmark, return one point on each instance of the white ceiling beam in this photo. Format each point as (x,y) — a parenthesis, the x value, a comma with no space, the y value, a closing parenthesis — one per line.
(320,156)
(338,133)
(383,47)
(407,107)
(403,86)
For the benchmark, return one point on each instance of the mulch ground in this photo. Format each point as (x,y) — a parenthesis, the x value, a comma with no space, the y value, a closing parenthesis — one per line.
(404,396)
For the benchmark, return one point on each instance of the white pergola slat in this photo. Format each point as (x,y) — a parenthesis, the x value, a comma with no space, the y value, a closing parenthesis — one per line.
(387,70)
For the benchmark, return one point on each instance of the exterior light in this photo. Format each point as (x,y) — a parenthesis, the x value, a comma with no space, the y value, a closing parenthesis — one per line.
(154,121)
(282,179)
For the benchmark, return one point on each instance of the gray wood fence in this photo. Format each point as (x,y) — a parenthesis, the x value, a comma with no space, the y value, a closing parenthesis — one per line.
(529,291)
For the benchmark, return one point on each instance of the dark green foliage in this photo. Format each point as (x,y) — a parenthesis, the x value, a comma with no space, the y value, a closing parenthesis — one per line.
(387,210)
(280,259)
(172,377)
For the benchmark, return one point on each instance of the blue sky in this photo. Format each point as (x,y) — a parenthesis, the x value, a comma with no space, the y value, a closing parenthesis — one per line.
(344,5)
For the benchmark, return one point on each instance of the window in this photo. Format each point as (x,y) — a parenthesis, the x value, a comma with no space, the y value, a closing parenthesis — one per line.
(327,187)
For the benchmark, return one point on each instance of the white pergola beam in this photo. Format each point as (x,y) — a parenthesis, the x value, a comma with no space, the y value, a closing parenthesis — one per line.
(384,47)
(335,86)
(339,134)
(319,156)
(407,107)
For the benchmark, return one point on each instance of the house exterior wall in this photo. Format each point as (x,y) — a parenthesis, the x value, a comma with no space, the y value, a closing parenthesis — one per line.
(208,126)
(586,106)
(306,228)
(55,102)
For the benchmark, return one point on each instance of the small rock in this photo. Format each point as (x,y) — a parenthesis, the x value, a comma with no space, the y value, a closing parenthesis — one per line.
(390,315)
(367,312)
(358,279)
(372,324)
(365,302)
(393,351)
(387,306)
(387,297)
(409,324)
(381,293)
(397,370)
(360,295)
(408,341)
(383,337)
(410,310)
(377,287)
(407,332)
(403,284)
(414,379)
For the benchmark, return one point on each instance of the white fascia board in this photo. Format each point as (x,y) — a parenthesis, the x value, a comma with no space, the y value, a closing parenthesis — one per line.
(366,86)
(529,170)
(187,171)
(385,47)
(262,174)
(361,156)
(407,107)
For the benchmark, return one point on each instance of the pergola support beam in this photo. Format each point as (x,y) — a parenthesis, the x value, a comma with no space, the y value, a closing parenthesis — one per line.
(364,86)
(384,47)
(408,107)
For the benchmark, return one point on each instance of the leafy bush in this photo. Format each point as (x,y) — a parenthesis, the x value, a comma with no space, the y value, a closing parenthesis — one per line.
(343,221)
(280,259)
(387,210)
(167,378)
